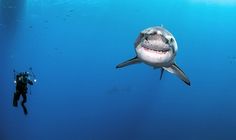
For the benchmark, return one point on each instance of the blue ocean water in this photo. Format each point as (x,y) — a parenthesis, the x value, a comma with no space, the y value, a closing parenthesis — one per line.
(73,48)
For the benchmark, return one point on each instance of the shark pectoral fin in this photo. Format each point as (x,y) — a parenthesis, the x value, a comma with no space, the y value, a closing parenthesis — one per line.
(134,60)
(177,71)
(162,71)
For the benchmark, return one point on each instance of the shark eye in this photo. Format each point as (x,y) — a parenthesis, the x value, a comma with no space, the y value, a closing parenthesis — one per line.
(170,39)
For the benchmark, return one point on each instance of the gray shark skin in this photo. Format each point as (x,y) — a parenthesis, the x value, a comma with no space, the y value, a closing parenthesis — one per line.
(157,47)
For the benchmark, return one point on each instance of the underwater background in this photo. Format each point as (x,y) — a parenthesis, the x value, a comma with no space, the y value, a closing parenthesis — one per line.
(73,47)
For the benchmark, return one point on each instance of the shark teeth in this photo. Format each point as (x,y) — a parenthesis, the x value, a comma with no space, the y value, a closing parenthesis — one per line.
(156,51)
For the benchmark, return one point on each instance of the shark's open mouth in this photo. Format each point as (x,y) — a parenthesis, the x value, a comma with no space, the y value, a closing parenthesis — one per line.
(154,54)
(156,51)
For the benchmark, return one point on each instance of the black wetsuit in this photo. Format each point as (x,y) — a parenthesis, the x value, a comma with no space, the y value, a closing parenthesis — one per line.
(21,90)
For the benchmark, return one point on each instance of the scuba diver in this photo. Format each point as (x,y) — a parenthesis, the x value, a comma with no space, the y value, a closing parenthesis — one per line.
(22,80)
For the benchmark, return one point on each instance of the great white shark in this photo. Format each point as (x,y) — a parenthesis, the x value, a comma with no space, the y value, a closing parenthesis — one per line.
(157,47)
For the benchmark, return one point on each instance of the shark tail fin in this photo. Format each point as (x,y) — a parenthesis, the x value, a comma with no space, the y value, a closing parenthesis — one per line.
(174,69)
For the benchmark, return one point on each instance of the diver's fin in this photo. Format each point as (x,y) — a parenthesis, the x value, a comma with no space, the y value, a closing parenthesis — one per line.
(177,71)
(24,109)
(134,60)
(162,71)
